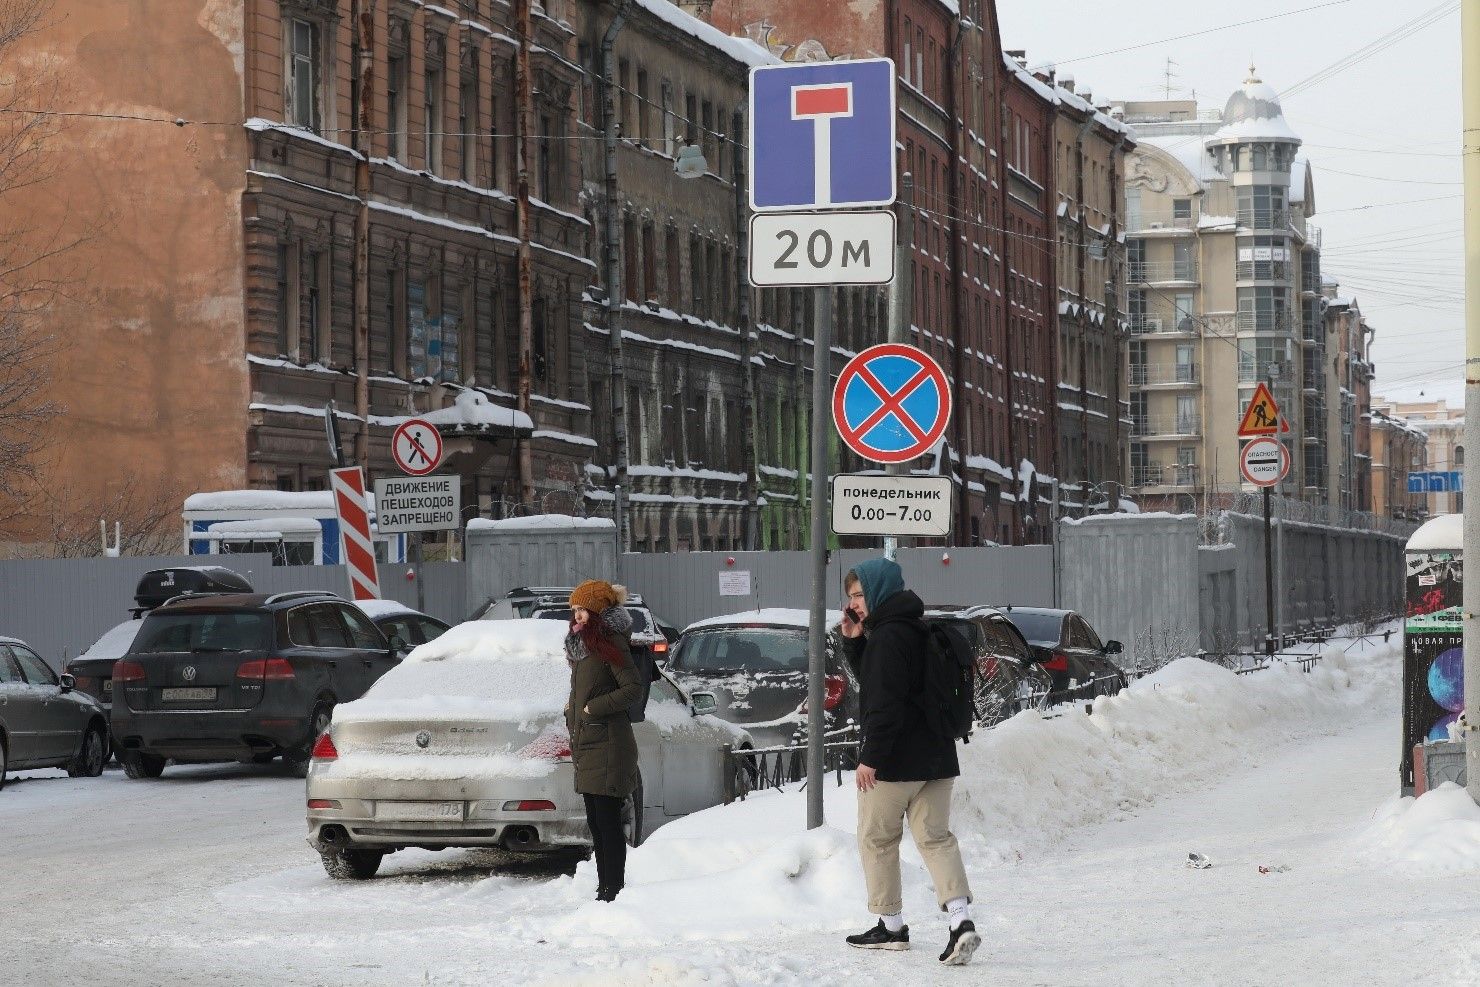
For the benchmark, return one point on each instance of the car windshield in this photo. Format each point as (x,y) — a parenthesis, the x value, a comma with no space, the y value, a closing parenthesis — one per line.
(166,632)
(639,619)
(744,649)
(1041,628)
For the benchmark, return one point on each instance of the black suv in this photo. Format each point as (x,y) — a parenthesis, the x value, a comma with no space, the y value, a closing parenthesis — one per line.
(241,677)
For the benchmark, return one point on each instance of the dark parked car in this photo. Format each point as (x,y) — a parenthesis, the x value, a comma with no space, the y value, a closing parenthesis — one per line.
(93,669)
(524,601)
(1010,679)
(44,721)
(1071,651)
(402,625)
(241,677)
(756,665)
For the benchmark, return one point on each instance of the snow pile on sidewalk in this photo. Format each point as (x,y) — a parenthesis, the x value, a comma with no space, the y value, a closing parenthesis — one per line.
(734,872)
(1439,830)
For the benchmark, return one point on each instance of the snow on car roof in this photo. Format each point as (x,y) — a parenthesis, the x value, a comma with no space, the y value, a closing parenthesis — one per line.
(115,643)
(384,608)
(777,616)
(504,670)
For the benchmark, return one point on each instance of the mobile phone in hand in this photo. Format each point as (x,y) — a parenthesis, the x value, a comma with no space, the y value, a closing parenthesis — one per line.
(848,615)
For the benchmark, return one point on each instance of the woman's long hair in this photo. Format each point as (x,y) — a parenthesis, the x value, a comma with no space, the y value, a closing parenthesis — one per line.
(593,636)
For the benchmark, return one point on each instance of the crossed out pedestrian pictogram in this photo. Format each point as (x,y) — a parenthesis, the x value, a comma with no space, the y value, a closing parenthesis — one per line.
(892,403)
(416,447)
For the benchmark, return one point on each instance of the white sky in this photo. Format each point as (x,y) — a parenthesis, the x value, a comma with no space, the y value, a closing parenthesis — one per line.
(1393,119)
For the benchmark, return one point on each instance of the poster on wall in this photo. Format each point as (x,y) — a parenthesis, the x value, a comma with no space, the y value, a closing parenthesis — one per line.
(1433,651)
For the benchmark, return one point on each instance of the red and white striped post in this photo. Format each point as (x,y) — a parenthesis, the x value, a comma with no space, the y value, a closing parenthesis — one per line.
(355,546)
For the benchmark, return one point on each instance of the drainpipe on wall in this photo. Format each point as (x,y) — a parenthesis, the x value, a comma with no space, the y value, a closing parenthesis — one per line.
(362,16)
(524,98)
(611,256)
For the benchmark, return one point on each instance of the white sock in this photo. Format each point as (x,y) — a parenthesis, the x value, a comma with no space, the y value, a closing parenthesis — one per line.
(960,911)
(893,922)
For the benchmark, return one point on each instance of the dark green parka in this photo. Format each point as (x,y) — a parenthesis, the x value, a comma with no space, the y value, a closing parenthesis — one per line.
(601,741)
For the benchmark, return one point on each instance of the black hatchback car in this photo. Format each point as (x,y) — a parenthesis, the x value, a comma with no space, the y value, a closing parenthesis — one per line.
(1070,650)
(241,677)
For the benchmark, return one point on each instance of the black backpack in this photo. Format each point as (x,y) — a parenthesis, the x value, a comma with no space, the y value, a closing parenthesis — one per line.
(947,695)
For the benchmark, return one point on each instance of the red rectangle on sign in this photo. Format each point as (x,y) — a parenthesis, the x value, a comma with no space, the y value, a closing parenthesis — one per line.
(826,99)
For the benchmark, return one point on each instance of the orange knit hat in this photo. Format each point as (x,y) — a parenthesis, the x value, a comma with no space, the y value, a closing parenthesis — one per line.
(596,595)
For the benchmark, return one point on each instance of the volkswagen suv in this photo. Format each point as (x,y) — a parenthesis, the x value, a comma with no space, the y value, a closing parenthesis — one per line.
(241,677)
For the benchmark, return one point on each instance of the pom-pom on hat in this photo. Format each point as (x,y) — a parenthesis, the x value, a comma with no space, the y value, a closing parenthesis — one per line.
(597,595)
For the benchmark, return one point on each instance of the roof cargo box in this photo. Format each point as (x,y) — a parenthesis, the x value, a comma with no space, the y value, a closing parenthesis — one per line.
(158,585)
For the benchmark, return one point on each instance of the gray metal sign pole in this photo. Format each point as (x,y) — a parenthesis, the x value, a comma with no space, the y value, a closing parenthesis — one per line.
(902,299)
(817,638)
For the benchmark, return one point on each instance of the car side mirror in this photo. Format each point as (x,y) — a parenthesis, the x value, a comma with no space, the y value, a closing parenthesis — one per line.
(1113,647)
(398,646)
(703,702)
(68,682)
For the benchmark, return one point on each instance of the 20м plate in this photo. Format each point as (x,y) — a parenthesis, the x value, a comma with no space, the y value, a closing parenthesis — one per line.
(800,249)
(419,810)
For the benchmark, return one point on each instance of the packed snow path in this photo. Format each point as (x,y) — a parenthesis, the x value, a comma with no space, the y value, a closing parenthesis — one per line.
(1076,833)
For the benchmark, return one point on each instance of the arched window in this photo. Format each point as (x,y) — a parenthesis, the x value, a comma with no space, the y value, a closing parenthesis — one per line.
(1459,456)
(1259,157)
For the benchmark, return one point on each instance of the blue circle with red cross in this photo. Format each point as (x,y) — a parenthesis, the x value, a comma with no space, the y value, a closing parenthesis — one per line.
(892,403)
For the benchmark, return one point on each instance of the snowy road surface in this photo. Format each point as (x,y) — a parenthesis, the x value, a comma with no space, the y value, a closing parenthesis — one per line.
(1075,832)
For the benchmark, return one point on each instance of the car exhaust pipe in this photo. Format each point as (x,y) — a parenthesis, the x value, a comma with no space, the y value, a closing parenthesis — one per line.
(333,836)
(521,838)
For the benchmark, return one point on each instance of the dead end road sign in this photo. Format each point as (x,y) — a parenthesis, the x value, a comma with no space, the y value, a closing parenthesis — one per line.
(416,446)
(911,506)
(892,403)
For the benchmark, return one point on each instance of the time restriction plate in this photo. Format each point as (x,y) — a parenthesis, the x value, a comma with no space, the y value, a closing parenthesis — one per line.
(912,506)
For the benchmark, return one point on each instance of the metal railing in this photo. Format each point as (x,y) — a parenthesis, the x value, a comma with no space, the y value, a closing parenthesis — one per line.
(1164,475)
(756,769)
(1164,325)
(1150,375)
(1265,322)
(1312,332)
(1263,219)
(1170,425)
(1264,270)
(1152,272)
(1143,222)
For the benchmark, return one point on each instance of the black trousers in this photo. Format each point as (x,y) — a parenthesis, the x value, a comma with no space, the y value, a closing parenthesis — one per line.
(604,817)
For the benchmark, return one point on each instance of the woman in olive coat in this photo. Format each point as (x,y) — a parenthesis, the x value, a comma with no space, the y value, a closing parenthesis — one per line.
(604,683)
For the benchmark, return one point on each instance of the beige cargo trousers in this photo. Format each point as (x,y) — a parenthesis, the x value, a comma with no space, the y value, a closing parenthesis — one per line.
(882,812)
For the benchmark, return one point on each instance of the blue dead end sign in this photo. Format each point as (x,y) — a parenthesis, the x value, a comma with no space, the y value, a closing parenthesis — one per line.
(822,135)
(892,403)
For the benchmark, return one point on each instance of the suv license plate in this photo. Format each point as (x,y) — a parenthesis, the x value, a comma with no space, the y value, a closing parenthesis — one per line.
(188,695)
(418,810)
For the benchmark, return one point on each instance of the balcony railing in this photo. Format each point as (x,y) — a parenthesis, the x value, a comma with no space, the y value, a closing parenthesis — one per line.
(1163,475)
(1168,425)
(1314,380)
(1265,322)
(1164,325)
(1312,332)
(1154,272)
(1151,375)
(1141,222)
(1264,270)
(1263,219)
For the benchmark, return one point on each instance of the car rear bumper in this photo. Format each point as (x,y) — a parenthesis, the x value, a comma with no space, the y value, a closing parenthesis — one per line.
(400,812)
(209,735)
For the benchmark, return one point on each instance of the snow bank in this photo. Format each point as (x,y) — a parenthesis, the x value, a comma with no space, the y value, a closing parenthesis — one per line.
(504,670)
(1439,830)
(780,616)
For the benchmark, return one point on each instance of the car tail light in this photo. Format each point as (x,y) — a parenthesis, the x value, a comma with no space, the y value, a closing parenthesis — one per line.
(323,749)
(833,688)
(989,668)
(660,647)
(530,805)
(553,745)
(265,668)
(1057,662)
(128,671)
(324,803)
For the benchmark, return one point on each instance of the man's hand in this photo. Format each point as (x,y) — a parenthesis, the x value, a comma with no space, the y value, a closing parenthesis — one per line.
(850,627)
(867,778)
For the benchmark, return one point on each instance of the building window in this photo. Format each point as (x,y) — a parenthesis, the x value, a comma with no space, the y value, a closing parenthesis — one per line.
(305,74)
(396,104)
(543,177)
(630,248)
(649,263)
(1181,208)
(670,123)
(315,306)
(467,117)
(287,297)
(539,342)
(670,256)
(644,132)
(416,327)
(691,118)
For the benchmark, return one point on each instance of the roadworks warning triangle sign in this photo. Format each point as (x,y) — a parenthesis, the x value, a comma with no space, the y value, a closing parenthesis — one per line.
(1262,417)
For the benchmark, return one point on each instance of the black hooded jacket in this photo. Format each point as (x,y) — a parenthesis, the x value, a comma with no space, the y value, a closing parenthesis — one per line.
(888,660)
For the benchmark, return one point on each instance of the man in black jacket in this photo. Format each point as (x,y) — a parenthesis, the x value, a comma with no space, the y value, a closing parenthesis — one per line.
(905,769)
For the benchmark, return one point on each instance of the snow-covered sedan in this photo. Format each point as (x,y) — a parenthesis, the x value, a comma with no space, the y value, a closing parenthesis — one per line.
(464,745)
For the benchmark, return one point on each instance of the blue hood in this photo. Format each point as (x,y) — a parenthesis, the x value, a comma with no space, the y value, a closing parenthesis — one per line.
(881,579)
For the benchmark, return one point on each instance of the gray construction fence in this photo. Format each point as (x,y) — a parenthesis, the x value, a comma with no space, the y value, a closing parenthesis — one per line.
(1132,576)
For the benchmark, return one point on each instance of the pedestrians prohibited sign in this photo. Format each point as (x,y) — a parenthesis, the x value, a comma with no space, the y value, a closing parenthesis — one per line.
(1264,462)
(891,403)
(822,135)
(418,503)
(416,447)
(914,506)
(812,249)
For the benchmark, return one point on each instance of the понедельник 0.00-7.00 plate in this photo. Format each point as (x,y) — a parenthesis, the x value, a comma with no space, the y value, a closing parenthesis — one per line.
(910,506)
